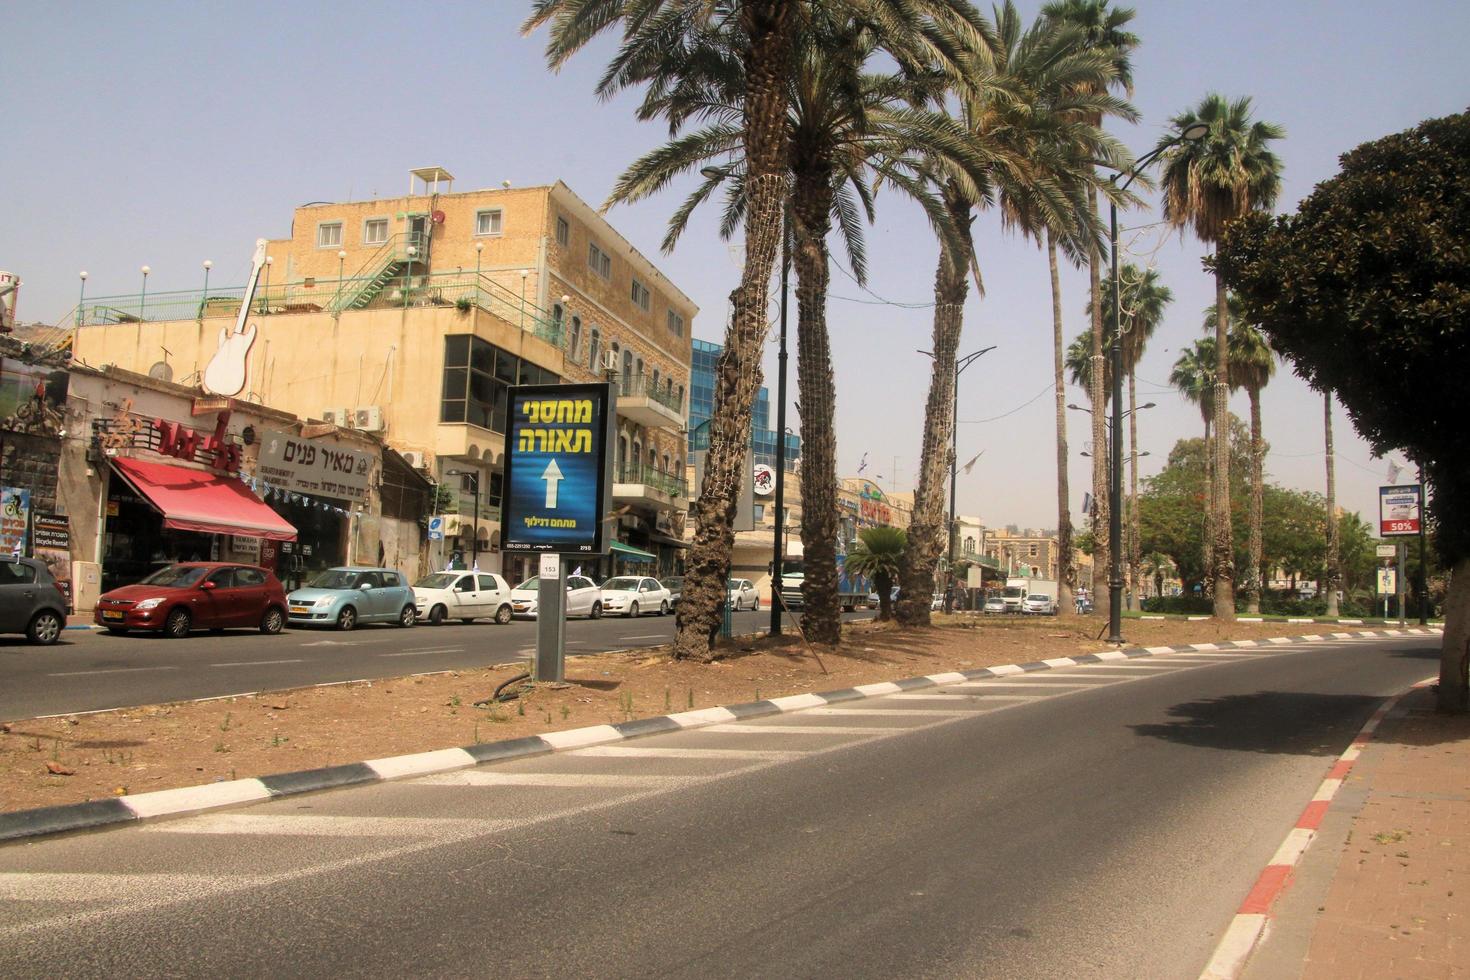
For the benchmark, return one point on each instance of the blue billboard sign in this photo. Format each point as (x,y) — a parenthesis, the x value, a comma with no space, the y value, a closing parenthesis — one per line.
(557,482)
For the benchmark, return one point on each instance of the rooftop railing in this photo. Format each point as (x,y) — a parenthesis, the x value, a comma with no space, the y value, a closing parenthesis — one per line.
(644,386)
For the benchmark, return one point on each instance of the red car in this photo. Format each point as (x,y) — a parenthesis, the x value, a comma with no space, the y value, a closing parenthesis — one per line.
(197,595)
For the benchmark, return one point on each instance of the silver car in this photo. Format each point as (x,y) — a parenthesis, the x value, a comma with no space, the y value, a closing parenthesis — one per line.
(30,601)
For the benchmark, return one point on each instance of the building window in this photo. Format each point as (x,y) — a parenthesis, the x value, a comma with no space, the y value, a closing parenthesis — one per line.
(640,295)
(594,346)
(627,371)
(632,472)
(477,381)
(1032,553)
(676,324)
(329,234)
(681,398)
(563,232)
(654,389)
(375,231)
(487,222)
(599,261)
(574,339)
(760,512)
(622,458)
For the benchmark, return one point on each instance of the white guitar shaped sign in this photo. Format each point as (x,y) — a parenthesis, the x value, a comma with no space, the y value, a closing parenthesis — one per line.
(227,371)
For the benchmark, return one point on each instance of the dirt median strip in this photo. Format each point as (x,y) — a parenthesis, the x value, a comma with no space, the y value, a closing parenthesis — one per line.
(315,736)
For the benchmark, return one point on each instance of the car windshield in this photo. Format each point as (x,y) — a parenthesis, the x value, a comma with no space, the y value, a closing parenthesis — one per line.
(176,576)
(530,585)
(439,580)
(1038,597)
(334,578)
(732,584)
(621,584)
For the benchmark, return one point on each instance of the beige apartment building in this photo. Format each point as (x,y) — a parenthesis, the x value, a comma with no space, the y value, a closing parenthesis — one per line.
(410,318)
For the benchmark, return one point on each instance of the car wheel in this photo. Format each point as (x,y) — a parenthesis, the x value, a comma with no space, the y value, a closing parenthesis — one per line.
(663,608)
(272,622)
(632,611)
(407,617)
(502,615)
(755,605)
(45,628)
(347,618)
(177,625)
(596,611)
(436,616)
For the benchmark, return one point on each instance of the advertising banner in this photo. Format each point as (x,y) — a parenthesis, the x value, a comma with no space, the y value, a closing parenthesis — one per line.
(15,515)
(1387,584)
(310,466)
(557,482)
(51,543)
(1398,510)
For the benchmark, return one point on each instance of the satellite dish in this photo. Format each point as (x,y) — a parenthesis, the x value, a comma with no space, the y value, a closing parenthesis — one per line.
(161,372)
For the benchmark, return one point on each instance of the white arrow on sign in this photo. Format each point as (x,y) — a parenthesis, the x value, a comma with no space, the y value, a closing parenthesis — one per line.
(552,476)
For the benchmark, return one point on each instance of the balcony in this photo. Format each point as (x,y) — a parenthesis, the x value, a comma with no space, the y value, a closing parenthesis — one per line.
(647,404)
(645,486)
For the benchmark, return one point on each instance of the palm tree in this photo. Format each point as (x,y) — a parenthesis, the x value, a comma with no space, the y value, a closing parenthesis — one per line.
(658,39)
(878,554)
(1194,376)
(1142,304)
(1207,184)
(1334,571)
(1035,90)
(1105,28)
(844,126)
(1252,363)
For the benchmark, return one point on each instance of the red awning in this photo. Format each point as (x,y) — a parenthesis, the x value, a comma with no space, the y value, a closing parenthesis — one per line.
(193,500)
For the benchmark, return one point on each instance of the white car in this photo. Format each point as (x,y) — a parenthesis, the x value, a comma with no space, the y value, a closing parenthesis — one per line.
(465,596)
(1037,604)
(742,594)
(634,595)
(583,599)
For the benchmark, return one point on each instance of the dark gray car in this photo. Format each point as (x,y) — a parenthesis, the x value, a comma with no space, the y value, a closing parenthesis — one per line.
(30,601)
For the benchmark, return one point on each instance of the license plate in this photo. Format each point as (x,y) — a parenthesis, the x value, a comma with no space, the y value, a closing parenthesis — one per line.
(299,609)
(111,614)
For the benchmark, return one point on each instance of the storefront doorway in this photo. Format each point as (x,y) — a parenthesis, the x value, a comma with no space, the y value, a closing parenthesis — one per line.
(321,539)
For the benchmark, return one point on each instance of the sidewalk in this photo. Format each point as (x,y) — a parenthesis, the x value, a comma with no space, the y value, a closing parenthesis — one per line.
(1398,903)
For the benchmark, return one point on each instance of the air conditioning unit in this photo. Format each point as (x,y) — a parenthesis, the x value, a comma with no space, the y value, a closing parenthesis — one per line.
(369,419)
(337,416)
(414,459)
(610,360)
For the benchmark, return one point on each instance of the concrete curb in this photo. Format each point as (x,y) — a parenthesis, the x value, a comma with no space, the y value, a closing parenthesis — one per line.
(94,814)
(1248,926)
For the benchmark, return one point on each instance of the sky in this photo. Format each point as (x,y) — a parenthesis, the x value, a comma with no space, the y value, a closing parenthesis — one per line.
(168,133)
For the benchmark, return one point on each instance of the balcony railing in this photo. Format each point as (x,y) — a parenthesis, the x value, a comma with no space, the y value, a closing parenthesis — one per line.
(644,386)
(666,483)
(465,290)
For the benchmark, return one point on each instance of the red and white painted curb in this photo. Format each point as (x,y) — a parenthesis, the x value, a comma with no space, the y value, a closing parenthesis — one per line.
(1254,915)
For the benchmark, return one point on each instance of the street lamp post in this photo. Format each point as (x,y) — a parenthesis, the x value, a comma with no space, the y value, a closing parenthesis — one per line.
(1192,133)
(474,528)
(779,547)
(341,267)
(204,302)
(479,249)
(143,298)
(82,298)
(954,445)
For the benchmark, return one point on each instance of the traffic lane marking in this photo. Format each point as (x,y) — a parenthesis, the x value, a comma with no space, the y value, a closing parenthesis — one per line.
(257,663)
(107,670)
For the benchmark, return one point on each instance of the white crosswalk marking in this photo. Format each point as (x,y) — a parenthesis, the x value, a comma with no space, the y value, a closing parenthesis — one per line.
(559,780)
(659,752)
(936,712)
(1030,684)
(799,730)
(317,825)
(62,887)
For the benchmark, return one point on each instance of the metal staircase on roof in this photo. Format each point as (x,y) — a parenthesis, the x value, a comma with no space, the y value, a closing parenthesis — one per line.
(392,261)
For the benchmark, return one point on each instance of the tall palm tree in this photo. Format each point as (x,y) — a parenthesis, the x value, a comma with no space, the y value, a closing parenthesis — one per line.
(1036,91)
(1194,376)
(1207,184)
(1142,303)
(658,38)
(1334,570)
(1106,31)
(845,127)
(1252,364)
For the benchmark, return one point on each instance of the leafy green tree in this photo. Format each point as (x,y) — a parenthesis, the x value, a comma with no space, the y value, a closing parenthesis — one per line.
(1194,376)
(1363,289)
(878,554)
(1209,183)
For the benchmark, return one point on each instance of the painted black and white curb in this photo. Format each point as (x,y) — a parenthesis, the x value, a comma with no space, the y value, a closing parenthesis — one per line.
(122,810)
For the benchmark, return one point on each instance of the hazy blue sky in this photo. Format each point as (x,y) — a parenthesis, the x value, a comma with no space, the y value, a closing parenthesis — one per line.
(168,133)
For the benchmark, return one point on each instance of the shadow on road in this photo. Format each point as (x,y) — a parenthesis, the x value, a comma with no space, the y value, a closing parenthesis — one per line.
(1254,722)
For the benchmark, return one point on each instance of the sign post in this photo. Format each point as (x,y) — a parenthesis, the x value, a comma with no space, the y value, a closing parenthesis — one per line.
(557,488)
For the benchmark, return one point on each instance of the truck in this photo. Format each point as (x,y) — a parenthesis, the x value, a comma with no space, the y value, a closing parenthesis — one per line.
(1018,588)
(852,590)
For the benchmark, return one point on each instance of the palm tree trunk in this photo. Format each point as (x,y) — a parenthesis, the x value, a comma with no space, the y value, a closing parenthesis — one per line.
(1333,572)
(884,585)
(767,24)
(812,204)
(1224,548)
(1253,548)
(1208,537)
(1133,551)
(923,548)
(1101,452)
(1065,572)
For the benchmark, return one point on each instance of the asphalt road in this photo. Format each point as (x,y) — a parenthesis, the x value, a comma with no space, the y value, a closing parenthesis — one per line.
(91,671)
(1100,821)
